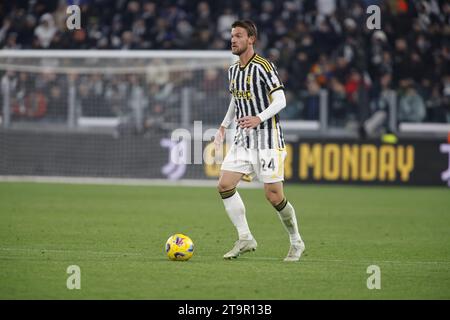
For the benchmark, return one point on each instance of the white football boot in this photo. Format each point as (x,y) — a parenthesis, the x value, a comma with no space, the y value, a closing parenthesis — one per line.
(295,251)
(241,246)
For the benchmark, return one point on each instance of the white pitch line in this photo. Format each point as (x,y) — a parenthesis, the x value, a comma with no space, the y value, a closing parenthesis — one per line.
(372,261)
(72,251)
(248,258)
(125,181)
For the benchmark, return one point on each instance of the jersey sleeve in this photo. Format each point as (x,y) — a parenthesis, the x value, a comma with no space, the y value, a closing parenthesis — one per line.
(271,79)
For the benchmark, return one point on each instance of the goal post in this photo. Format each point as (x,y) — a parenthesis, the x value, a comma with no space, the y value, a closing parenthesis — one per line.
(102,88)
(105,113)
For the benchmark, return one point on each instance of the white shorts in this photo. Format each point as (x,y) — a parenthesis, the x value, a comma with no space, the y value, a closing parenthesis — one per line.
(266,164)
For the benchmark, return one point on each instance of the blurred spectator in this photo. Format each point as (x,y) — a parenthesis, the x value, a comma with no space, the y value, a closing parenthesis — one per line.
(311,107)
(204,19)
(338,103)
(202,40)
(411,107)
(224,22)
(326,7)
(293,109)
(46,30)
(5,29)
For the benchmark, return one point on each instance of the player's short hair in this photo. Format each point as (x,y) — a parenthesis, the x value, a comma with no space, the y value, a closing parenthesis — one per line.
(247,25)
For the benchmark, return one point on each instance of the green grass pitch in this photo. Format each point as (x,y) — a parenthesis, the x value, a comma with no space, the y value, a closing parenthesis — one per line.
(116,235)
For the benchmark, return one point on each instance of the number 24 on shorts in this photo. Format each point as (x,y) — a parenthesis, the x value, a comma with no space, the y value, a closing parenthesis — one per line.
(270,165)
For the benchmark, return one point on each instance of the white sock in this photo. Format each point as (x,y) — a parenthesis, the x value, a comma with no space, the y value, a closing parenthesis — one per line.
(236,211)
(289,220)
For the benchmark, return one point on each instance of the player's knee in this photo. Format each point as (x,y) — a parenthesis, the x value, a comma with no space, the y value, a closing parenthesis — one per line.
(274,197)
(223,186)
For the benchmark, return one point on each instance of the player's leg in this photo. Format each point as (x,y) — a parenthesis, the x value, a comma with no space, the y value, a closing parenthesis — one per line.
(234,206)
(271,172)
(235,165)
(233,203)
(286,212)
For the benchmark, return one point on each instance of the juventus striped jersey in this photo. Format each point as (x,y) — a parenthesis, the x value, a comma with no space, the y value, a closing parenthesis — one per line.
(251,86)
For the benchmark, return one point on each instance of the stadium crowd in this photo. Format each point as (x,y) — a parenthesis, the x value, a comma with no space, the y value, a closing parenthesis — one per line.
(316,44)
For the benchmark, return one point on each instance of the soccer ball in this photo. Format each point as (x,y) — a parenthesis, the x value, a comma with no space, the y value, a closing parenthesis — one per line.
(179,247)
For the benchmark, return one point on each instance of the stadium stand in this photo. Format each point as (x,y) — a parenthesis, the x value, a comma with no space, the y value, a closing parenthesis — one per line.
(315,44)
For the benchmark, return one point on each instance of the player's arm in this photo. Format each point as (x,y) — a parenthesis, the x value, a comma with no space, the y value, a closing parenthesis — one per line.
(229,117)
(278,103)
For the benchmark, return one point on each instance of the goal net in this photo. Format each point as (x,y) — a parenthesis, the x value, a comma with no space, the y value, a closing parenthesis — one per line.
(105,113)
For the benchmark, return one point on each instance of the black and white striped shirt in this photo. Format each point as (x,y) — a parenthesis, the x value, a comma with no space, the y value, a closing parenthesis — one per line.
(251,86)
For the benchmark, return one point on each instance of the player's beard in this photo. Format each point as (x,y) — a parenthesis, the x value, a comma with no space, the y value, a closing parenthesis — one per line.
(239,51)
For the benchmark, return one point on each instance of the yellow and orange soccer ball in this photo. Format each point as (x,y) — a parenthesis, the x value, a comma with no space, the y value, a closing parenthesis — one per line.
(179,247)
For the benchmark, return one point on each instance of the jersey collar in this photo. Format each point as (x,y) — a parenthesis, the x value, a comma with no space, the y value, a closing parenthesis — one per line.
(248,62)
